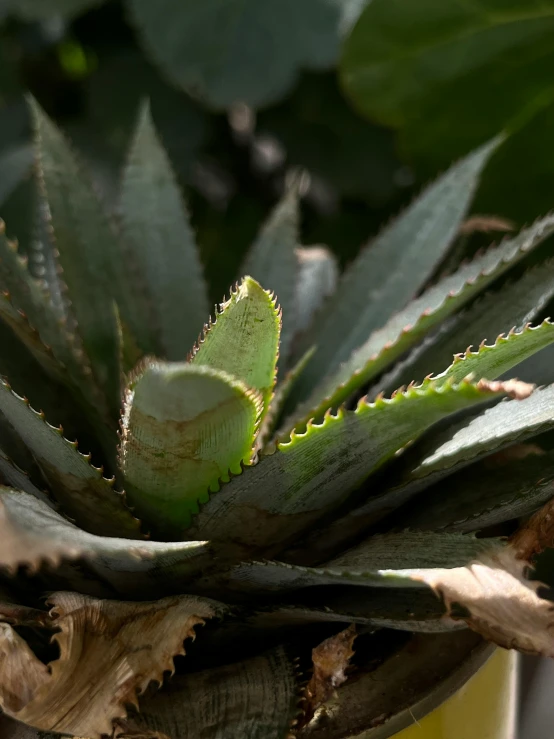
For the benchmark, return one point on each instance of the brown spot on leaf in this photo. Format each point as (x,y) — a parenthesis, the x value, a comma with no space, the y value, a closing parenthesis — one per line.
(330,659)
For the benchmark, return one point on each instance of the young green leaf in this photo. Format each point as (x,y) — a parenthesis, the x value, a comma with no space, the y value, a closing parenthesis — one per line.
(169,311)
(408,326)
(85,494)
(184,429)
(87,248)
(394,266)
(272,260)
(492,361)
(32,534)
(312,473)
(243,341)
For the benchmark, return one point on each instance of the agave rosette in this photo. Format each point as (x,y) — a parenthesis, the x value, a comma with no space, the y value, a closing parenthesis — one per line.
(266,481)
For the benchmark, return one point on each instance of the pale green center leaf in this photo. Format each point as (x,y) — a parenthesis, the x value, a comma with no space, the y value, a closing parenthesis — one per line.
(185,429)
(244,338)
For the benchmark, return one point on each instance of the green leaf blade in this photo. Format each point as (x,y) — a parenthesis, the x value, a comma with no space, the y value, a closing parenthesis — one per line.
(81,489)
(32,534)
(410,325)
(243,341)
(512,307)
(310,475)
(216,51)
(169,314)
(87,251)
(493,360)
(184,428)
(394,266)
(272,260)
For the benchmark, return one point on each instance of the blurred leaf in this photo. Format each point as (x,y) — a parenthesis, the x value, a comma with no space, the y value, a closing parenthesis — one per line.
(392,268)
(452,74)
(88,250)
(227,51)
(45,9)
(520,178)
(322,133)
(114,94)
(272,262)
(168,312)
(15,166)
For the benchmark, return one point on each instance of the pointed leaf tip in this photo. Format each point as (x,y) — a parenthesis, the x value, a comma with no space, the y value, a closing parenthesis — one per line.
(243,340)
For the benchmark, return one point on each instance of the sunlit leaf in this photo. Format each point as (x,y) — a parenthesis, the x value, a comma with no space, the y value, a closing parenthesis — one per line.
(185,429)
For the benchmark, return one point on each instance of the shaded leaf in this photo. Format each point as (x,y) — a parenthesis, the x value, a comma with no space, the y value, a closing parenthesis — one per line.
(184,429)
(15,165)
(310,475)
(450,76)
(87,250)
(407,327)
(272,260)
(120,647)
(30,297)
(317,280)
(504,486)
(479,436)
(172,305)
(216,51)
(394,266)
(353,156)
(381,561)
(243,341)
(45,9)
(32,534)
(257,698)
(85,494)
(15,477)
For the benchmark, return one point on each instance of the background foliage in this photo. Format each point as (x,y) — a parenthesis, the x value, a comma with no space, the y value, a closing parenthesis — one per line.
(372,98)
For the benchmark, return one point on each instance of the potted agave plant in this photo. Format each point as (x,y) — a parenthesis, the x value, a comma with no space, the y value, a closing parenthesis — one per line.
(293,498)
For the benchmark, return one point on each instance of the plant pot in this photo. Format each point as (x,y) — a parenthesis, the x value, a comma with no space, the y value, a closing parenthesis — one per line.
(484,708)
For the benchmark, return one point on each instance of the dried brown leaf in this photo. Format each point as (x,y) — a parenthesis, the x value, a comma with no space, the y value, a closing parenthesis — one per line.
(330,660)
(117,647)
(485,224)
(536,534)
(503,606)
